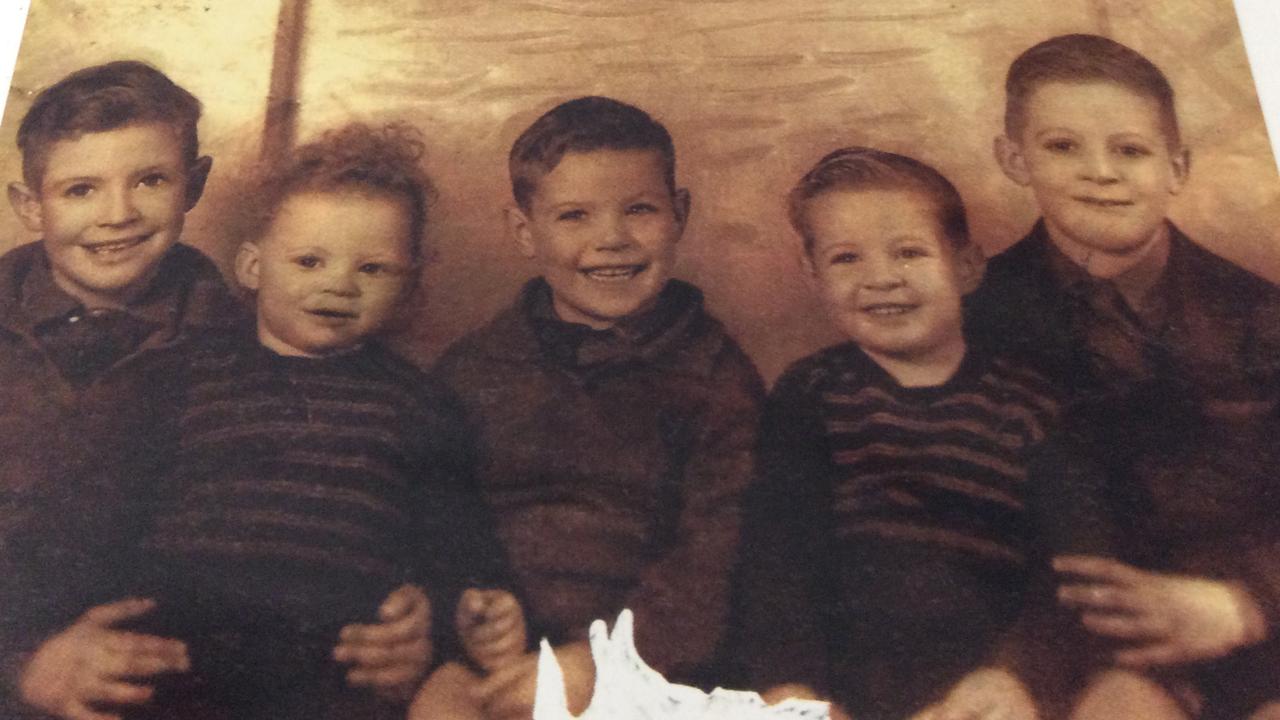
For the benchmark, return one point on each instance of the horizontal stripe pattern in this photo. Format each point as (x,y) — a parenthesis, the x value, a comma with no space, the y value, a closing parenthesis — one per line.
(937,467)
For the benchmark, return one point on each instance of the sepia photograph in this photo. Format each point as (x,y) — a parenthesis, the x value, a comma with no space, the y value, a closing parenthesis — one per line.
(918,357)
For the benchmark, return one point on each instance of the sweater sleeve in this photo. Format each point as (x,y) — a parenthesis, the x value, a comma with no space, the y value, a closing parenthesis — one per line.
(681,600)
(782,603)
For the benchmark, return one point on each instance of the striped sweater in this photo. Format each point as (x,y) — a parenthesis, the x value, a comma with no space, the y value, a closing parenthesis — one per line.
(305,489)
(885,513)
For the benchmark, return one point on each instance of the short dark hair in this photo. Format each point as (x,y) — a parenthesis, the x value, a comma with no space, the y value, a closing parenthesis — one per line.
(101,98)
(583,125)
(860,168)
(383,161)
(1086,58)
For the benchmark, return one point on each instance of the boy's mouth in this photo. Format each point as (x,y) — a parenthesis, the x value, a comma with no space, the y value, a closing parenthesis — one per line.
(329,314)
(1103,202)
(888,309)
(115,246)
(613,273)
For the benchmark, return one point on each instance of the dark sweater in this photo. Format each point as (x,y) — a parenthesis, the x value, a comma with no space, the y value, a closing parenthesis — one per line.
(887,544)
(65,379)
(614,463)
(305,490)
(1167,456)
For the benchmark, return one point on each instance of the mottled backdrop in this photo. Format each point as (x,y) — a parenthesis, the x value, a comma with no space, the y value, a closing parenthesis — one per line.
(753,91)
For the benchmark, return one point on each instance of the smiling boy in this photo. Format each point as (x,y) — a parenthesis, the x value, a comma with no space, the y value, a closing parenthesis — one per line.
(1171,355)
(615,417)
(887,548)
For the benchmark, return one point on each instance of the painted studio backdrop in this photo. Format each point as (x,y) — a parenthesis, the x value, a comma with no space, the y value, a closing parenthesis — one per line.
(753,91)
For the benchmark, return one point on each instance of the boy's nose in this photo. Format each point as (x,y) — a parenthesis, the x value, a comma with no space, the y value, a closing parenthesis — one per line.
(1099,166)
(881,273)
(617,235)
(341,283)
(120,208)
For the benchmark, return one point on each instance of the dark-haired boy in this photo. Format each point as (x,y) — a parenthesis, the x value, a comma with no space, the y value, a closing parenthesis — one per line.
(111,166)
(615,416)
(1173,355)
(887,548)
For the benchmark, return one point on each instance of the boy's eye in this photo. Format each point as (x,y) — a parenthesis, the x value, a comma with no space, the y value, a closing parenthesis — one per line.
(843,258)
(912,253)
(1060,146)
(78,190)
(641,209)
(153,180)
(307,261)
(572,215)
(372,268)
(1132,151)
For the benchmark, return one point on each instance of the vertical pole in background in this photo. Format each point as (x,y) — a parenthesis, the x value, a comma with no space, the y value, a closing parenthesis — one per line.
(286,63)
(1102,16)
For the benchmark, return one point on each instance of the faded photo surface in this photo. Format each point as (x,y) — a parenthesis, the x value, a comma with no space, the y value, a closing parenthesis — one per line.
(754,93)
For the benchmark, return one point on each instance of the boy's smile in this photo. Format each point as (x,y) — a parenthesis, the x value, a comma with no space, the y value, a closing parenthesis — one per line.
(330,271)
(603,226)
(889,277)
(1097,156)
(109,206)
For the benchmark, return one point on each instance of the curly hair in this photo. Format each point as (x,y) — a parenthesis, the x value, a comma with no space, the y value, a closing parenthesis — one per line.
(384,161)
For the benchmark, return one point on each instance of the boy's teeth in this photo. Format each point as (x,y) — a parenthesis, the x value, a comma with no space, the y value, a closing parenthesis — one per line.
(114,247)
(612,273)
(887,309)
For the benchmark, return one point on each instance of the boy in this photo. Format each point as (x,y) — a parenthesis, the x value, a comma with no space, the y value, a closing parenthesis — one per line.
(307,471)
(1172,356)
(887,548)
(615,416)
(110,167)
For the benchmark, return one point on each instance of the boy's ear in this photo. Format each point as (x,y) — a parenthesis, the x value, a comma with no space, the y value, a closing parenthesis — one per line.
(1011,160)
(970,266)
(248,265)
(1181,170)
(26,205)
(521,233)
(197,176)
(682,203)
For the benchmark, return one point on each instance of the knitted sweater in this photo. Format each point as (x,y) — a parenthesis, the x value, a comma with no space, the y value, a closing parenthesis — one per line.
(614,463)
(887,517)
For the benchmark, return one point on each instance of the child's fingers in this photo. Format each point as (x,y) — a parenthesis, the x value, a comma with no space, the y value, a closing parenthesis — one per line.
(118,692)
(404,602)
(1099,569)
(1159,653)
(490,631)
(169,654)
(1124,627)
(406,629)
(373,655)
(118,611)
(386,677)
(1097,597)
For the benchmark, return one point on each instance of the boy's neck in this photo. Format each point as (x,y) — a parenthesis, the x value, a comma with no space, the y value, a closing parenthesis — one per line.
(1150,256)
(919,371)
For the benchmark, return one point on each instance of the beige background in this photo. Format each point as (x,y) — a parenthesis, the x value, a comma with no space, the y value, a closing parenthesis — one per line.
(753,91)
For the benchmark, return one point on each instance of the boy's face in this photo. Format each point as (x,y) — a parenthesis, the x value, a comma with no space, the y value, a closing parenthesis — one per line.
(330,271)
(603,226)
(1098,159)
(109,206)
(889,277)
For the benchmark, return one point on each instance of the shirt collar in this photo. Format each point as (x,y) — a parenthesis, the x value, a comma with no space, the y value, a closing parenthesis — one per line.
(43,300)
(1140,279)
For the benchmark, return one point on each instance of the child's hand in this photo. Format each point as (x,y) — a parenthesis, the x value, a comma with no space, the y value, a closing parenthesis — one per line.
(1168,619)
(984,694)
(92,664)
(392,656)
(491,626)
(508,693)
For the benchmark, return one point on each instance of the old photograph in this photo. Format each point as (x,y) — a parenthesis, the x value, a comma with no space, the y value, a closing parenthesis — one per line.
(917,356)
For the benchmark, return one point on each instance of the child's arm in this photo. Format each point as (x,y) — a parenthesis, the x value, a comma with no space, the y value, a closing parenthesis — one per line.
(92,663)
(988,692)
(1164,619)
(491,627)
(508,693)
(681,601)
(393,655)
